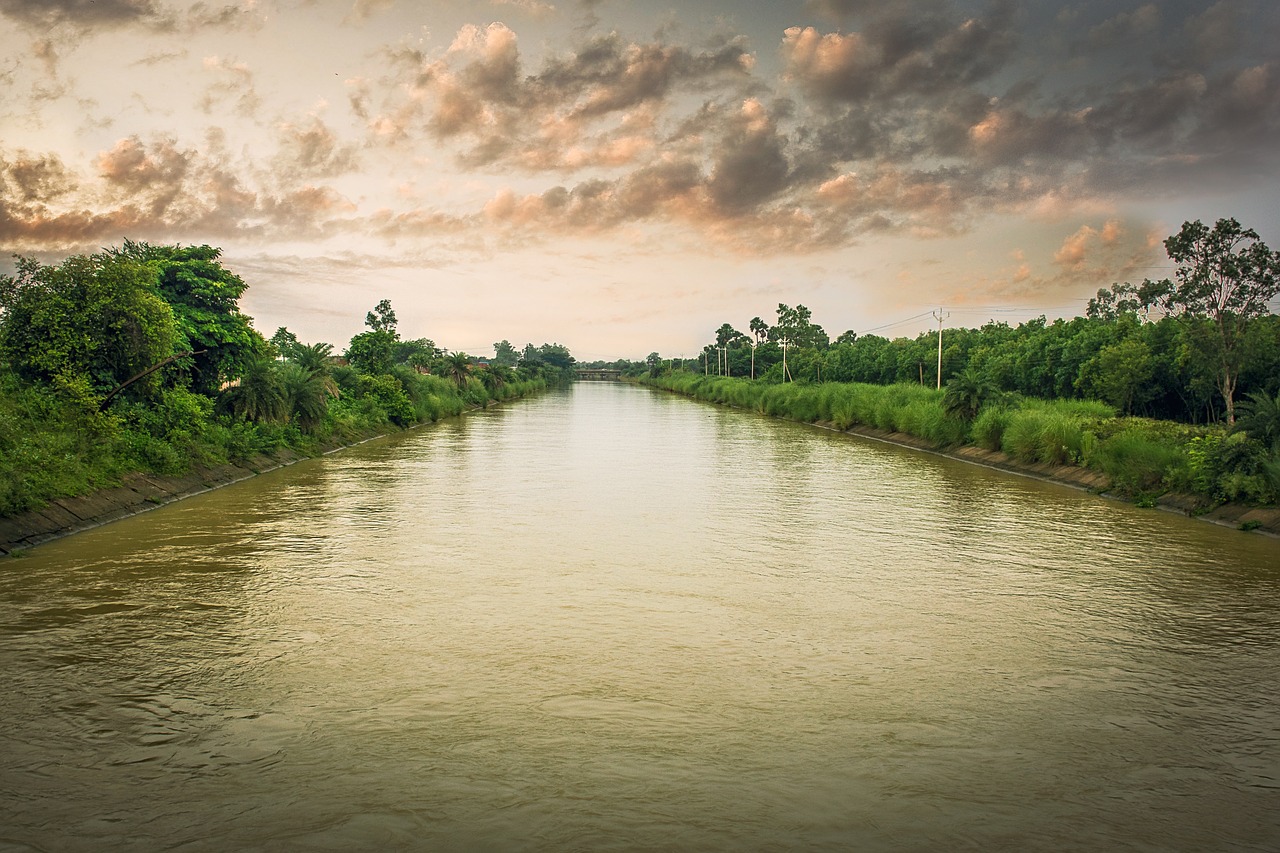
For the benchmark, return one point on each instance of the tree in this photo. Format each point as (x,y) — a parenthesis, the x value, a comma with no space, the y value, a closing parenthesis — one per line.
(494,377)
(967,392)
(417,351)
(759,329)
(794,325)
(372,352)
(556,355)
(1111,305)
(1226,276)
(1260,418)
(257,396)
(205,299)
(457,366)
(1120,374)
(313,357)
(505,354)
(286,342)
(382,318)
(306,393)
(87,325)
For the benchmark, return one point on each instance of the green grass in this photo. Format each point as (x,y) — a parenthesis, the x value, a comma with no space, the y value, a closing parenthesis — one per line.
(53,446)
(1142,457)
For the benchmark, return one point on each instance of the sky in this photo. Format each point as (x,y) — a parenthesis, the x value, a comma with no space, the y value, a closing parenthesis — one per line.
(624,177)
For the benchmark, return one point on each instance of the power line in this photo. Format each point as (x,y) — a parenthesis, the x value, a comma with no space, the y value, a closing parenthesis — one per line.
(897,323)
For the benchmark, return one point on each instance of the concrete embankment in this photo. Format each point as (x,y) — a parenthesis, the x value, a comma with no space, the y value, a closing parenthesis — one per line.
(1262,519)
(139,493)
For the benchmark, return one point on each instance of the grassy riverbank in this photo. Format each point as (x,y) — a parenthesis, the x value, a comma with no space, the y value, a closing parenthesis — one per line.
(1141,458)
(54,448)
(138,360)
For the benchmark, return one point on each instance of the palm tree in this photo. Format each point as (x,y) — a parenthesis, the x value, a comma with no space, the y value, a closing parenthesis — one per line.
(258,396)
(1259,416)
(307,394)
(457,366)
(312,356)
(967,393)
(491,379)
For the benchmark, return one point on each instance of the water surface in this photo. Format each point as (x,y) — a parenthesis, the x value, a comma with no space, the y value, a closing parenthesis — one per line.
(610,618)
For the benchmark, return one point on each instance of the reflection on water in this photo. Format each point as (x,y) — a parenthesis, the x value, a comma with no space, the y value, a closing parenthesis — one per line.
(615,619)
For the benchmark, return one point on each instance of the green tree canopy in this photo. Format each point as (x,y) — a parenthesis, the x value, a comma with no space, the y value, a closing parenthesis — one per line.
(90,323)
(1226,275)
(205,297)
(505,354)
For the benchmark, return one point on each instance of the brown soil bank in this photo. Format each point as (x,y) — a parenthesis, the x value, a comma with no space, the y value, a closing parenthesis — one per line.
(1261,519)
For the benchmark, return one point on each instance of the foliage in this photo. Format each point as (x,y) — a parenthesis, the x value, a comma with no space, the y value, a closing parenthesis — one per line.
(372,352)
(72,332)
(87,325)
(1226,275)
(258,395)
(205,298)
(457,367)
(1259,416)
(967,393)
(505,354)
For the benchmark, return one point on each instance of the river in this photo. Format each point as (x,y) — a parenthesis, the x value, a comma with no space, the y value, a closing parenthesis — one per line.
(608,618)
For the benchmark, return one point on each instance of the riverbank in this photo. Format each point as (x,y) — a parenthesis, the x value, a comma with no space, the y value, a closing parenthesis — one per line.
(1259,519)
(141,492)
(1051,455)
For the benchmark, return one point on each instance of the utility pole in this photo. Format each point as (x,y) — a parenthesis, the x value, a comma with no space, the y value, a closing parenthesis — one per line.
(753,359)
(940,315)
(786,374)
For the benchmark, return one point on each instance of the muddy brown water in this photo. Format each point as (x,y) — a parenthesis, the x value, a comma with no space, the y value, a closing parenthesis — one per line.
(614,619)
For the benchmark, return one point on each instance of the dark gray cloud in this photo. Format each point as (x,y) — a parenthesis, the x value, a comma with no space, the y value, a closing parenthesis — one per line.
(751,165)
(82,13)
(900,54)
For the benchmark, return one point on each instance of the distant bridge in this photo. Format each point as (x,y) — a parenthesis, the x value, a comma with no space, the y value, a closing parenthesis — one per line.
(594,375)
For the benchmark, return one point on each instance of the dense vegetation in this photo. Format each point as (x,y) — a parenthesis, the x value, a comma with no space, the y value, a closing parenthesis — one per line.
(139,359)
(1143,457)
(1167,385)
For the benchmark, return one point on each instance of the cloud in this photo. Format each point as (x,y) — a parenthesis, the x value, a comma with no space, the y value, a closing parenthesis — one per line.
(751,166)
(363,10)
(536,8)
(312,150)
(899,53)
(1125,27)
(235,87)
(159,189)
(82,13)
(476,92)
(27,178)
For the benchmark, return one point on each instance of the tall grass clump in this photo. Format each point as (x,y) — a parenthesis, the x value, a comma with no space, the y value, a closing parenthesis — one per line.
(1041,434)
(1138,464)
(989,427)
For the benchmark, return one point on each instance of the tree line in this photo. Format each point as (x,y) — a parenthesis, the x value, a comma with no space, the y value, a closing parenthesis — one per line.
(138,358)
(1186,348)
(1168,385)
